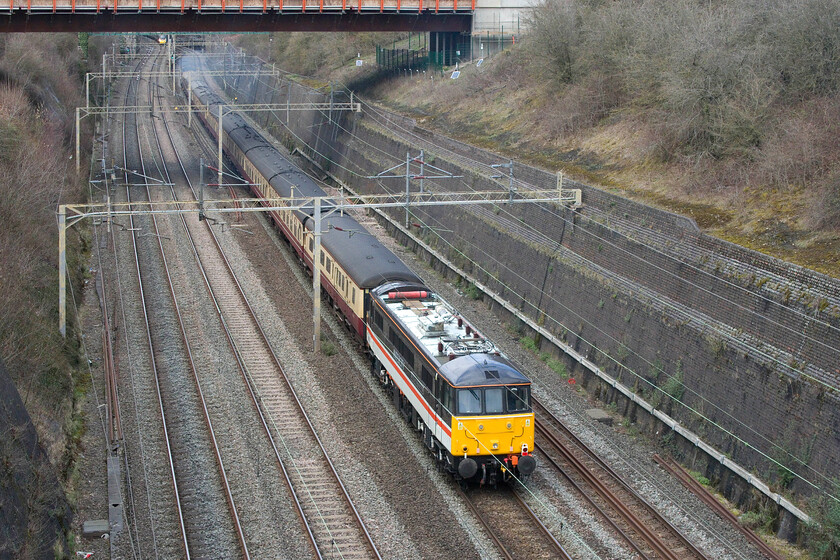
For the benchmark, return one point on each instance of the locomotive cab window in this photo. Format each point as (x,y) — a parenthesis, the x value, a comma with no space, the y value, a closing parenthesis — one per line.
(446,398)
(469,401)
(493,402)
(518,399)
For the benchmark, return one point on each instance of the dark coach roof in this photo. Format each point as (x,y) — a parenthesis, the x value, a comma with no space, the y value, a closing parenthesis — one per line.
(481,369)
(355,250)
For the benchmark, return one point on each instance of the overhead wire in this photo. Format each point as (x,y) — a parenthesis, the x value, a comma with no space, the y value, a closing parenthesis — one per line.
(417,380)
(315,150)
(651,247)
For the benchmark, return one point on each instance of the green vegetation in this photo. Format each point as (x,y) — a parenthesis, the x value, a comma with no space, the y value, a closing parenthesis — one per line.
(529,343)
(700,478)
(761,520)
(472,291)
(558,367)
(824,532)
(328,349)
(674,386)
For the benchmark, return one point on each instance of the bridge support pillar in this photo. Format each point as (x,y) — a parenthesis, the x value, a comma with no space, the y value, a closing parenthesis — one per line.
(448,47)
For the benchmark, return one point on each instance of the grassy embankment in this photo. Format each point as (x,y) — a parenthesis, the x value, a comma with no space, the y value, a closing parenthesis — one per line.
(40,87)
(727,112)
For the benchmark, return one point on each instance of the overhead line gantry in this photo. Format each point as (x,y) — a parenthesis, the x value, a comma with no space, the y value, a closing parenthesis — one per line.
(71,214)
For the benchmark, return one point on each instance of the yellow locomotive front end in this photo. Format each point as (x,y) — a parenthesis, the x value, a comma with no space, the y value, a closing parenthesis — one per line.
(494,442)
(492,434)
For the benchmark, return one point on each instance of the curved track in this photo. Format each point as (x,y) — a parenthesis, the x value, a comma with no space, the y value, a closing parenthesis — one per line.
(171,356)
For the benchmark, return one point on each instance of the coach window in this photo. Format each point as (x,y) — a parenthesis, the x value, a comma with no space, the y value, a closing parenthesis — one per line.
(329,265)
(322,258)
(469,401)
(407,354)
(354,294)
(493,402)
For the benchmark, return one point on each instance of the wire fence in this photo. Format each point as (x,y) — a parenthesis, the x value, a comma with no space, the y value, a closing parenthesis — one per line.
(422,59)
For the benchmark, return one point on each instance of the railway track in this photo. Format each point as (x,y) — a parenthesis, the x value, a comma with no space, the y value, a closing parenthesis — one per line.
(325,508)
(512,525)
(192,449)
(636,521)
(149,477)
(721,510)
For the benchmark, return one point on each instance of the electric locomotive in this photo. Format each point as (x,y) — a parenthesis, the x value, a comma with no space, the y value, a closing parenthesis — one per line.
(471,405)
(452,384)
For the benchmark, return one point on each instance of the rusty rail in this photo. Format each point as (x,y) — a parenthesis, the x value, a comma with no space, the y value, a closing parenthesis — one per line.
(698,490)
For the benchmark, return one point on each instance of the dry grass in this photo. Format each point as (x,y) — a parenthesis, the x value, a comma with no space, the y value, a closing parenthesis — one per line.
(36,174)
(773,186)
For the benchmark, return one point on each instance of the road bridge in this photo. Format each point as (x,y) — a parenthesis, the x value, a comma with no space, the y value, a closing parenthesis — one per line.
(236,15)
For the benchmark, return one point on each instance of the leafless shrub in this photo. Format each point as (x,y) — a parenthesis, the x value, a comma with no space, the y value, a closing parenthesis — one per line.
(35,101)
(554,38)
(582,105)
(802,145)
(824,208)
(803,45)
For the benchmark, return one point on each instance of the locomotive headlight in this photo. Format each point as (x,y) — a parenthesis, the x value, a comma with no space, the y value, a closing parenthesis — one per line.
(509,425)
(481,427)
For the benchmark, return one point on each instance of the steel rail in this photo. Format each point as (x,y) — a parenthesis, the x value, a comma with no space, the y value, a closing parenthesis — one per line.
(651,537)
(208,422)
(723,512)
(131,511)
(112,403)
(142,294)
(229,337)
(558,550)
(610,521)
(486,524)
(532,514)
(249,382)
